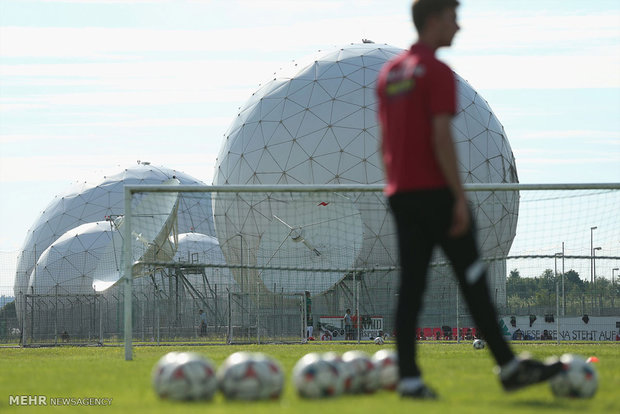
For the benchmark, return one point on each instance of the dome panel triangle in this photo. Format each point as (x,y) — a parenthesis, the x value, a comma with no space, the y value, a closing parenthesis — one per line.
(280,135)
(328,144)
(325,70)
(296,156)
(318,96)
(345,136)
(268,164)
(291,108)
(353,120)
(323,111)
(267,129)
(271,109)
(310,123)
(347,86)
(341,110)
(474,127)
(330,86)
(357,77)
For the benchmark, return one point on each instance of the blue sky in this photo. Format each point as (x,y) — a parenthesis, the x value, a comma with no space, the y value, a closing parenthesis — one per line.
(89,87)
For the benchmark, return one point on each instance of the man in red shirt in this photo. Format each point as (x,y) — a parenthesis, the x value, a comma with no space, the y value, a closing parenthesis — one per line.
(417,101)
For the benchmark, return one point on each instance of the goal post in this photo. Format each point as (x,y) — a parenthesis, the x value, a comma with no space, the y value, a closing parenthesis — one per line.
(266,245)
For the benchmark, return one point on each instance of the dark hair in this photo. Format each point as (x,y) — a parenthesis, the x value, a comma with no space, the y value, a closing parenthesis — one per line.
(422,9)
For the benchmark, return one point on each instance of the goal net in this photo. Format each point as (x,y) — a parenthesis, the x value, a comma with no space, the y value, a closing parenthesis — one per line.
(273,260)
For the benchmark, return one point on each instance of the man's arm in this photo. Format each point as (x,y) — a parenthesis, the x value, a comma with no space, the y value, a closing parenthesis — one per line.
(445,154)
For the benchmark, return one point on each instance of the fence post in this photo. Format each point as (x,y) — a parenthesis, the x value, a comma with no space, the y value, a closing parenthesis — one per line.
(215,300)
(458,327)
(229,340)
(358,319)
(23,300)
(258,312)
(100,320)
(157,312)
(127,276)
(557,309)
(302,303)
(56,315)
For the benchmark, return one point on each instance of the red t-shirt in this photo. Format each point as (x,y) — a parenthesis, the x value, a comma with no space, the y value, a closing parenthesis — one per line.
(413,88)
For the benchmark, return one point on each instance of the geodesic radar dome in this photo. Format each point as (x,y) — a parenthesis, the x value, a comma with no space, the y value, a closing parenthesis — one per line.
(196,249)
(91,203)
(319,126)
(68,265)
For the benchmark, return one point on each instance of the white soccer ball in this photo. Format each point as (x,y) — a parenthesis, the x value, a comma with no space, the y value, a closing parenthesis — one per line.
(579,379)
(386,363)
(478,344)
(347,373)
(250,376)
(184,376)
(365,375)
(158,369)
(379,340)
(315,377)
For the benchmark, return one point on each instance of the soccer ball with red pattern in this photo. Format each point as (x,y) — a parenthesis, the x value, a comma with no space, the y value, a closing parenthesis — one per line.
(317,377)
(184,376)
(250,376)
(386,363)
(365,375)
(478,344)
(579,379)
(346,371)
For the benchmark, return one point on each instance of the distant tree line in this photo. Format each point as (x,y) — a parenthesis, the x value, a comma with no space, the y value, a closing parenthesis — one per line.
(537,295)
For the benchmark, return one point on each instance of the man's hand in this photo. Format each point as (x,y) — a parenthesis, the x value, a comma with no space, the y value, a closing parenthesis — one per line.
(460,218)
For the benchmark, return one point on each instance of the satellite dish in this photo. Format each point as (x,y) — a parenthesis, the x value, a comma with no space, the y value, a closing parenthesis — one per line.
(310,234)
(153,218)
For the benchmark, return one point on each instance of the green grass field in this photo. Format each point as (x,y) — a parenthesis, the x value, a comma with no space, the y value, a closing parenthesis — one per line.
(461,375)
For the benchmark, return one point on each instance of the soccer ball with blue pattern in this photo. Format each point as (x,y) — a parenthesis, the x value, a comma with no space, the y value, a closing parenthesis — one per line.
(478,344)
(250,376)
(578,379)
(184,376)
(316,377)
(365,375)
(386,363)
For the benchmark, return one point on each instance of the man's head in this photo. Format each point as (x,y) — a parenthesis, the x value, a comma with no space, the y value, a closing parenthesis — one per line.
(435,21)
(348,310)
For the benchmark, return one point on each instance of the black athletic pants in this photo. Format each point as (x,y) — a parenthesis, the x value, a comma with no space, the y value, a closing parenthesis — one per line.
(423,219)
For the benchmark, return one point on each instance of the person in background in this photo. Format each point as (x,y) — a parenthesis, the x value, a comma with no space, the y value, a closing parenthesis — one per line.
(309,320)
(348,325)
(203,322)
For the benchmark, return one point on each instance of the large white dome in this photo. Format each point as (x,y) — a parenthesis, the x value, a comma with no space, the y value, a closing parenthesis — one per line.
(90,203)
(319,126)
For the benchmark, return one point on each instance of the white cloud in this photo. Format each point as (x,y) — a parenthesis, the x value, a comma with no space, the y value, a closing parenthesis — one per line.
(538,72)
(609,136)
(92,168)
(539,32)
(222,122)
(98,43)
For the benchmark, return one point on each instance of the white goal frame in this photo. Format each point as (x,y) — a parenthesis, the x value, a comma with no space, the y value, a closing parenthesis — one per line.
(129,190)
